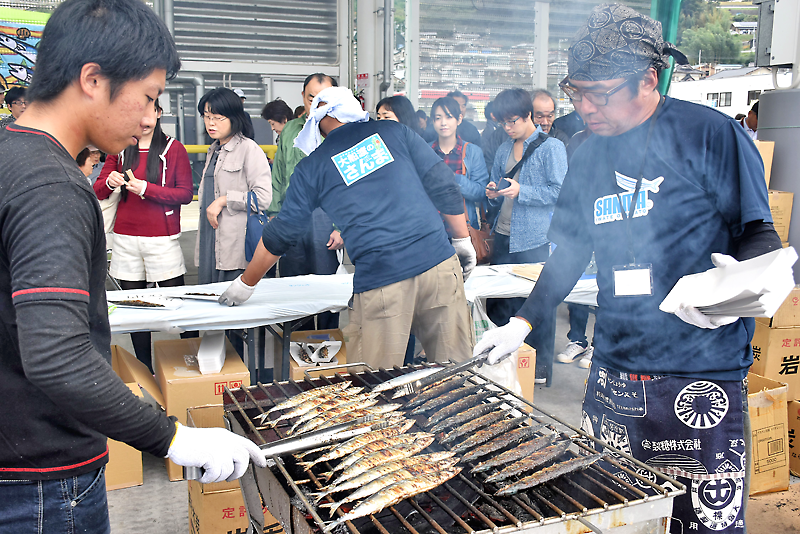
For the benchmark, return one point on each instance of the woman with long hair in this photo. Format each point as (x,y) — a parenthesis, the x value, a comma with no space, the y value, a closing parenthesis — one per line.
(399,109)
(464,159)
(148,219)
(235,166)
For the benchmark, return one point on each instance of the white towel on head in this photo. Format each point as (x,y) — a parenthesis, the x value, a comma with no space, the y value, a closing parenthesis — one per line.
(340,104)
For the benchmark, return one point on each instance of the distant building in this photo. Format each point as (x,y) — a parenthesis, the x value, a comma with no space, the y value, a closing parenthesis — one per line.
(744,28)
(731,91)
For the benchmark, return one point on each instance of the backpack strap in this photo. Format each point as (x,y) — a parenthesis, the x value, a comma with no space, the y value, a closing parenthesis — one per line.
(163,158)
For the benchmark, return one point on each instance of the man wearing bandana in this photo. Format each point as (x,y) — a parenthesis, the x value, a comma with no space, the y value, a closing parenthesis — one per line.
(385,188)
(656,201)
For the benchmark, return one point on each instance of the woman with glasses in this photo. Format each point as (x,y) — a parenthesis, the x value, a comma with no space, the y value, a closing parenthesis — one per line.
(16,103)
(464,159)
(235,166)
(148,217)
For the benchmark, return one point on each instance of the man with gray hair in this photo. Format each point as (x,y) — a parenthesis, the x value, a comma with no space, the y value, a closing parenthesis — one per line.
(656,201)
(544,113)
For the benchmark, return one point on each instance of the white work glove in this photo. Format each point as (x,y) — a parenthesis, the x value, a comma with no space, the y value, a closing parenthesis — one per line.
(503,340)
(237,293)
(221,453)
(466,254)
(693,316)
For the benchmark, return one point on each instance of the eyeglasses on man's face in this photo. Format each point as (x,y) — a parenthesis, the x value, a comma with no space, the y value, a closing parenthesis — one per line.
(510,123)
(598,98)
(19,103)
(214,118)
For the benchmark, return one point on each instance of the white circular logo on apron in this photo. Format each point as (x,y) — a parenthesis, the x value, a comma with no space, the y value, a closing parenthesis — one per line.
(701,405)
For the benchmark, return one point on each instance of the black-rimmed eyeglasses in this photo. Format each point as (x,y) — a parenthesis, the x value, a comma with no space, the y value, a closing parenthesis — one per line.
(595,97)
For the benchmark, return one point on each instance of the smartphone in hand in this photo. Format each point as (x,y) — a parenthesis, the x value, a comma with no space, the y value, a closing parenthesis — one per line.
(500,186)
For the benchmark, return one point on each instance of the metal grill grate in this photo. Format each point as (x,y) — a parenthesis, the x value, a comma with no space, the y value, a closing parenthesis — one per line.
(614,491)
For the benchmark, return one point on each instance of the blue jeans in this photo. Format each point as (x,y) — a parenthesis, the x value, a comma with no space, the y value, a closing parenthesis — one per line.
(578,318)
(63,506)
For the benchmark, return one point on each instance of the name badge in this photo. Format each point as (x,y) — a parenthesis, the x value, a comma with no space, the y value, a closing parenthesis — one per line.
(362,159)
(633,280)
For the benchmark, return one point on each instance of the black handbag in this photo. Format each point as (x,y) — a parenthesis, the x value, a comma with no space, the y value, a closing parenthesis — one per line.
(256,221)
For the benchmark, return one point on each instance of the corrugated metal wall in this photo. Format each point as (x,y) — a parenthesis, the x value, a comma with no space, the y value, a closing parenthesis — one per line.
(297,31)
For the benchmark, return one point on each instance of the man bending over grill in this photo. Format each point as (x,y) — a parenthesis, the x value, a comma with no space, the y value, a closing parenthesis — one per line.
(669,389)
(101,64)
(382,185)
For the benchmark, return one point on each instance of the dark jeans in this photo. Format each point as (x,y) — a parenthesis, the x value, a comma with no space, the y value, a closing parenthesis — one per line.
(63,506)
(578,318)
(500,311)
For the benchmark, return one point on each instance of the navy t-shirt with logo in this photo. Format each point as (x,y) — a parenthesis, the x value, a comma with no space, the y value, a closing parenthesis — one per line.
(703,180)
(369,178)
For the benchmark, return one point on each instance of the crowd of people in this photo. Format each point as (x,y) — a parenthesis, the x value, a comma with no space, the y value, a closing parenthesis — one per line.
(402,194)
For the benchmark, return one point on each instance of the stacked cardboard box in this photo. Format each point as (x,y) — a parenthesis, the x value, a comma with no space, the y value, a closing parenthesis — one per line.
(218,507)
(185,387)
(776,345)
(780,205)
(124,467)
(769,468)
(766,149)
(794,434)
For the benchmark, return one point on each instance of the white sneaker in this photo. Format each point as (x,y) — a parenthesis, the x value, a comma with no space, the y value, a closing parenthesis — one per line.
(586,361)
(571,353)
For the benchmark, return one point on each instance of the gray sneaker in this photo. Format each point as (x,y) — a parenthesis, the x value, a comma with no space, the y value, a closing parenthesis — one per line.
(586,361)
(572,352)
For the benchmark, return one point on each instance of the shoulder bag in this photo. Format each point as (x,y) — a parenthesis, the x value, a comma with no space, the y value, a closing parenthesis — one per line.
(256,220)
(482,240)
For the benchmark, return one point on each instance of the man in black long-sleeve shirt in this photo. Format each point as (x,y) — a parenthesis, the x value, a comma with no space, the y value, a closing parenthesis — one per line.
(656,202)
(61,396)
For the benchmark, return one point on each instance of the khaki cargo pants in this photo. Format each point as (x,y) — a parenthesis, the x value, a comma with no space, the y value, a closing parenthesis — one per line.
(431,304)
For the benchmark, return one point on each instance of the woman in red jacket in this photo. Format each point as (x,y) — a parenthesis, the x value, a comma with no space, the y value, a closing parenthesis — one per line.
(148,221)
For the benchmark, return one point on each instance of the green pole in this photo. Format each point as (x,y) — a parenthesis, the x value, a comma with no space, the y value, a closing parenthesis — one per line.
(666,12)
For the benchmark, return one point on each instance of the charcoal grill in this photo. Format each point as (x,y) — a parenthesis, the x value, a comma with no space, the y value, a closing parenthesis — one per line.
(617,494)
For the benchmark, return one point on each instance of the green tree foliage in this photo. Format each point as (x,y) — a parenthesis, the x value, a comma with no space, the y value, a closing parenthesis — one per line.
(694,14)
(713,39)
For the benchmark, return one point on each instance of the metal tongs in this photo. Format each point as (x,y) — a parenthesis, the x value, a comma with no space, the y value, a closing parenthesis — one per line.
(447,372)
(311,440)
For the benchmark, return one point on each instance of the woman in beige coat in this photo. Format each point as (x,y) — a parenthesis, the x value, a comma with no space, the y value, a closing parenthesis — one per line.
(235,165)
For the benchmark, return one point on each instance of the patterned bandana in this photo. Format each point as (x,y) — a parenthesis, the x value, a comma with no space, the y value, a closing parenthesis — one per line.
(618,42)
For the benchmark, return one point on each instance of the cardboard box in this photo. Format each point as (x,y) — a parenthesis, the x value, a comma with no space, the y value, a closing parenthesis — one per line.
(766,149)
(769,468)
(526,370)
(788,314)
(780,205)
(793,407)
(185,387)
(124,468)
(776,355)
(316,336)
(132,371)
(219,507)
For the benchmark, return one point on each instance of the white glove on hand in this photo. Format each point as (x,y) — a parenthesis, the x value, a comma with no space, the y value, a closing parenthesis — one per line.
(221,453)
(466,254)
(237,293)
(693,316)
(722,260)
(503,340)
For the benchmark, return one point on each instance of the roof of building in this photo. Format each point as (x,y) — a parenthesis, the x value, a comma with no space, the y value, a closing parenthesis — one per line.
(733,73)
